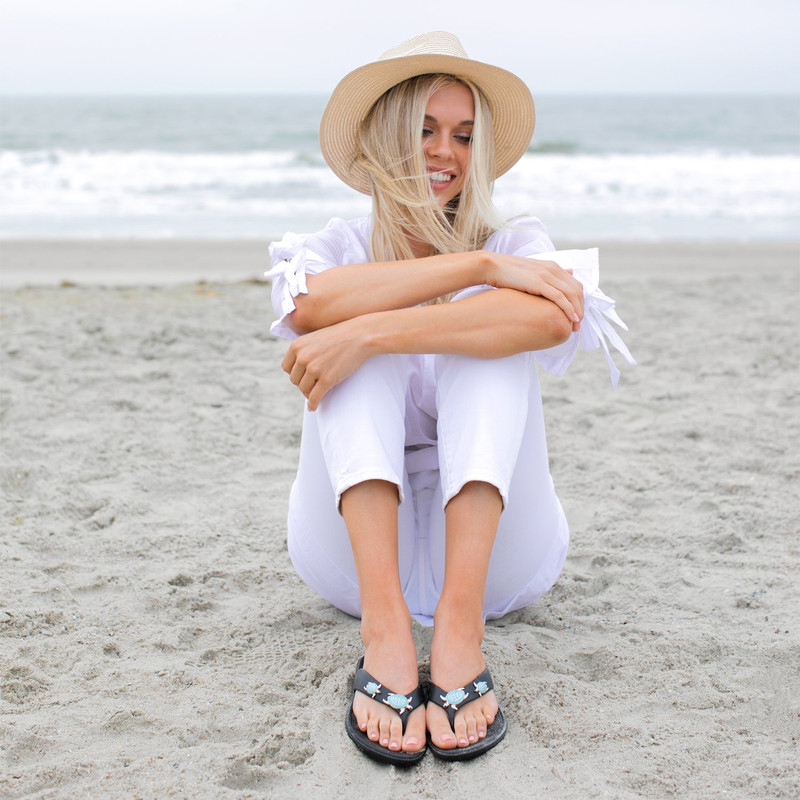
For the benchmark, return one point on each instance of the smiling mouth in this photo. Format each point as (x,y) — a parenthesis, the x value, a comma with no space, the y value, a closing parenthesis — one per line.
(442,177)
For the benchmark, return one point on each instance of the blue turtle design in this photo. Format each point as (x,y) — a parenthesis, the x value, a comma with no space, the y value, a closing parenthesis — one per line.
(399,702)
(454,697)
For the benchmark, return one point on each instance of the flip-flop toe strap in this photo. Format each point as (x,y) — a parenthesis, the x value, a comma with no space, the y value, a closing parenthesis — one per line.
(455,699)
(402,704)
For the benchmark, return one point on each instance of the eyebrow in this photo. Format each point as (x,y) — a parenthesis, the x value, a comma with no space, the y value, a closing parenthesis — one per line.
(429,118)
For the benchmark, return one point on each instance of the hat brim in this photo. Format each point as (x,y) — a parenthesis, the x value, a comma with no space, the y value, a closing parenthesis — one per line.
(509,99)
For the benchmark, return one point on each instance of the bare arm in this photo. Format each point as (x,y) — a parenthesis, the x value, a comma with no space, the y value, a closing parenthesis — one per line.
(353,290)
(492,324)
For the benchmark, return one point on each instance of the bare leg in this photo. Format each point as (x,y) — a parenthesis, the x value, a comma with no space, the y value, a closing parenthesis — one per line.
(472,517)
(370,513)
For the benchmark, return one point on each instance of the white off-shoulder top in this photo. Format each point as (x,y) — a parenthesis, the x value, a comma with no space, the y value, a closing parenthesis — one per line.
(297,256)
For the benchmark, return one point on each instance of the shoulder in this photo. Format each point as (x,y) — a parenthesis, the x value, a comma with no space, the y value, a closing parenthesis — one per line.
(524,236)
(346,229)
(338,239)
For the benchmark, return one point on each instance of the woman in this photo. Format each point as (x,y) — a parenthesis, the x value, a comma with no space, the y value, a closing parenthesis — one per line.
(423,488)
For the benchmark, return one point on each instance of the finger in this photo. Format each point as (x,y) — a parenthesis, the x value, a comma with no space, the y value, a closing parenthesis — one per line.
(573,290)
(297,372)
(571,287)
(288,360)
(308,382)
(316,394)
(578,302)
(558,297)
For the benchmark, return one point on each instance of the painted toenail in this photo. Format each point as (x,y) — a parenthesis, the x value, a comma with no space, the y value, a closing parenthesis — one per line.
(412,742)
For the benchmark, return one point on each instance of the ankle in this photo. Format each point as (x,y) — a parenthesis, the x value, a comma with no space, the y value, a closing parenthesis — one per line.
(462,613)
(384,624)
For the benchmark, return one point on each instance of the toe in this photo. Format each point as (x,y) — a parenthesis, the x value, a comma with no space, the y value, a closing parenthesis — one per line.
(460,728)
(415,732)
(395,734)
(472,728)
(373,731)
(384,726)
(441,733)
(489,708)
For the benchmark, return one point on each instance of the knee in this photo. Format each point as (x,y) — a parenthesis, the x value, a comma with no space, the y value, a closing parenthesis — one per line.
(485,372)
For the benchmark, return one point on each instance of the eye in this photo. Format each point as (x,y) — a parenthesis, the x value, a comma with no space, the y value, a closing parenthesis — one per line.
(427,131)
(464,138)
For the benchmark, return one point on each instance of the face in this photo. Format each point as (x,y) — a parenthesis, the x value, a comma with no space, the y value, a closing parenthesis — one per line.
(446,139)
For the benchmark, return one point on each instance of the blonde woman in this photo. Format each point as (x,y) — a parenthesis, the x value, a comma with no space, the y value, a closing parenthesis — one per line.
(423,488)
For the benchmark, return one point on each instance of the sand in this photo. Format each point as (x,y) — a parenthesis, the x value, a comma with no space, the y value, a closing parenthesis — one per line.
(155,641)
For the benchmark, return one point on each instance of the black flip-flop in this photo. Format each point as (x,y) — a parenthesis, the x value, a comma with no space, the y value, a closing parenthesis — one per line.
(451,702)
(401,704)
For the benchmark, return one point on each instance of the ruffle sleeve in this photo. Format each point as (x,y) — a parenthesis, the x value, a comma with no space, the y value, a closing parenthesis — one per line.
(598,314)
(297,256)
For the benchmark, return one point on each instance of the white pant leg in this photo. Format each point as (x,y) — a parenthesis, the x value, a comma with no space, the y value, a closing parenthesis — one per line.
(356,434)
(491,428)
(361,425)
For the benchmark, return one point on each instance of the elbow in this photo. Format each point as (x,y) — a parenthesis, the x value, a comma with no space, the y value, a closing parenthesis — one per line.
(297,323)
(557,328)
(302,319)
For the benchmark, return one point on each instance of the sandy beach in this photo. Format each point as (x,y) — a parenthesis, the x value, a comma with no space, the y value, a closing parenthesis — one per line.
(155,641)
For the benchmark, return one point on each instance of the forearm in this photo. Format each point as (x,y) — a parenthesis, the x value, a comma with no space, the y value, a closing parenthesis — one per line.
(493,324)
(353,290)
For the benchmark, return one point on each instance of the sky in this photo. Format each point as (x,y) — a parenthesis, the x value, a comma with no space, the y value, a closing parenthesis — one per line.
(269,46)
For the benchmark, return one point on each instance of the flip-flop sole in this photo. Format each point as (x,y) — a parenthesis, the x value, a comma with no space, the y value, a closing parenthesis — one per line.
(494,735)
(400,758)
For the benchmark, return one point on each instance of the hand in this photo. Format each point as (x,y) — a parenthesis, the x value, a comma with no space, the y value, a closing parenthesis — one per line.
(318,361)
(544,278)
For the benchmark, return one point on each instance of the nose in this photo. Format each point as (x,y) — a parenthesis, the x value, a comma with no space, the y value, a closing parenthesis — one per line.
(438,146)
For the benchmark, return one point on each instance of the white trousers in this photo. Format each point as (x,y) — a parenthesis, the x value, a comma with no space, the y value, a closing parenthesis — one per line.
(430,424)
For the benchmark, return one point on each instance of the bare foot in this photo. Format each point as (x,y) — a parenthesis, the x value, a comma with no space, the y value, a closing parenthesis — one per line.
(456,659)
(391,658)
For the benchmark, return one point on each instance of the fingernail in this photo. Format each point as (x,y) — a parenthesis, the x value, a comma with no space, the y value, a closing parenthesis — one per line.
(576,318)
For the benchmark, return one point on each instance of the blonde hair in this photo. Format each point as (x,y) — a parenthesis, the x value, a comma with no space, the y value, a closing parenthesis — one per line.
(403,205)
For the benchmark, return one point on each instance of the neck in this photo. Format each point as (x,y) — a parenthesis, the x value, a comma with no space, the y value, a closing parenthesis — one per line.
(419,248)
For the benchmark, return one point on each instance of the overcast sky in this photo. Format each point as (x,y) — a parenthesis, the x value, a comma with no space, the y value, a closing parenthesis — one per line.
(264,46)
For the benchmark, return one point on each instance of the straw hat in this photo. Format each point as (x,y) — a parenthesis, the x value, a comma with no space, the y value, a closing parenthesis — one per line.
(510,101)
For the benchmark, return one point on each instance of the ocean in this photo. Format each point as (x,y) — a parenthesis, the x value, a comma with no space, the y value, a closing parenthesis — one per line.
(599,168)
